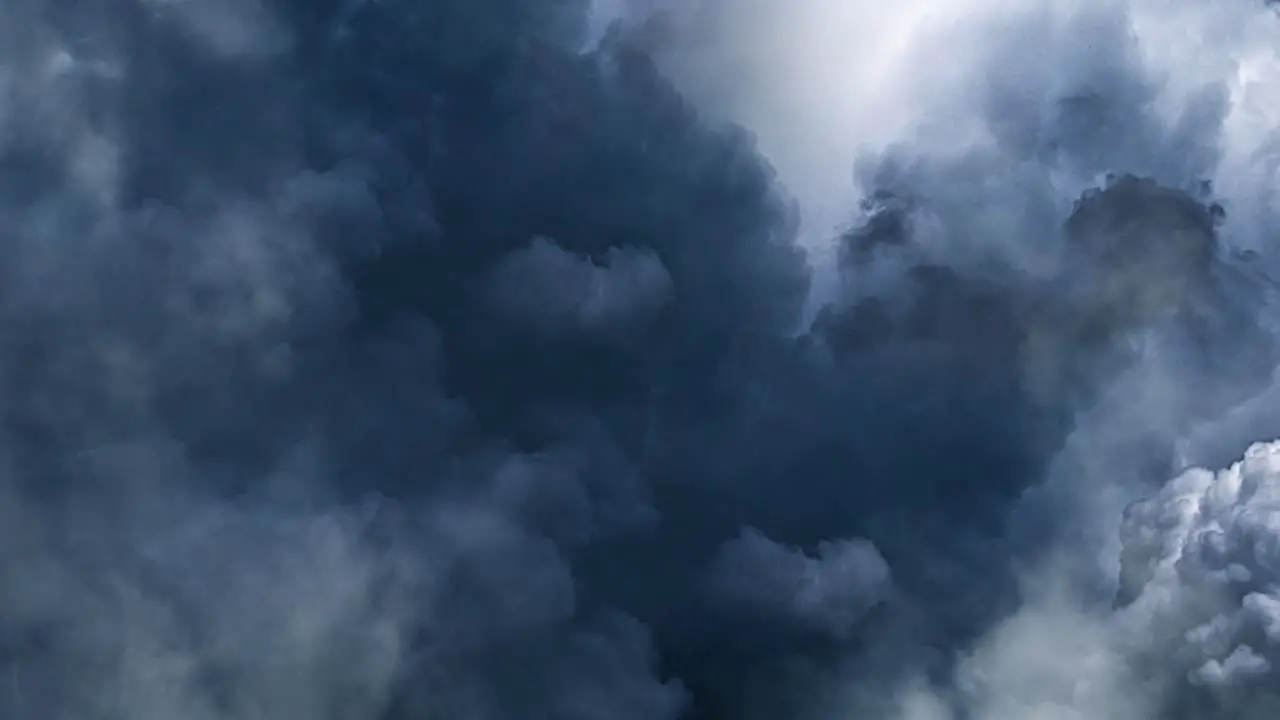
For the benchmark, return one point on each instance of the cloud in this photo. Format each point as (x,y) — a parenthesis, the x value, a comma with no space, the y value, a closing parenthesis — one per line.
(543,287)
(1203,544)
(828,593)
(390,359)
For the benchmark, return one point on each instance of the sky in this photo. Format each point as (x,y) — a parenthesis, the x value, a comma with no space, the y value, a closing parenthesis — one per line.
(639,360)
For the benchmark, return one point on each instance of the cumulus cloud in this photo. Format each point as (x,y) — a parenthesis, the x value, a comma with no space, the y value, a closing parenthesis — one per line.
(634,360)
(228,612)
(1204,543)
(828,593)
(545,288)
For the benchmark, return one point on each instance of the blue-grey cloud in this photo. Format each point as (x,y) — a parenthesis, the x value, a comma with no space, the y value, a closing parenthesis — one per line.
(399,359)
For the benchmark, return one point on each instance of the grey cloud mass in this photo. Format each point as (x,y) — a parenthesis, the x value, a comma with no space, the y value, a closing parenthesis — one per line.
(490,360)
(543,287)
(828,593)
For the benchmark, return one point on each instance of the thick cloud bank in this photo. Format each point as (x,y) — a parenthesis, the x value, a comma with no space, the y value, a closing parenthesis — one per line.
(491,359)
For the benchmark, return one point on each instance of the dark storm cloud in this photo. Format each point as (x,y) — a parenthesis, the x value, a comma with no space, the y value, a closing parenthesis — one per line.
(545,288)
(828,593)
(403,359)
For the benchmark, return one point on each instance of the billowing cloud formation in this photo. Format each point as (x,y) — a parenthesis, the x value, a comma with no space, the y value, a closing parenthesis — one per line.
(412,359)
(547,289)
(1200,551)
(829,593)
